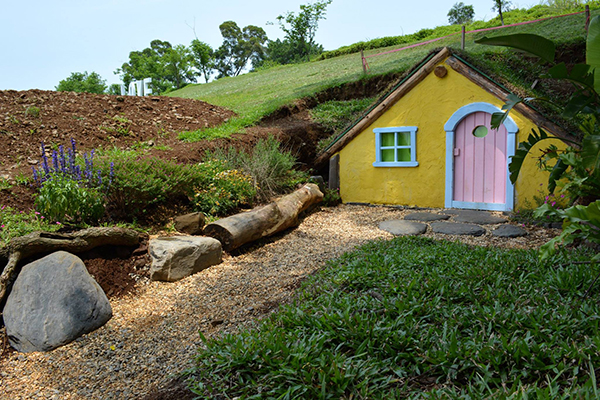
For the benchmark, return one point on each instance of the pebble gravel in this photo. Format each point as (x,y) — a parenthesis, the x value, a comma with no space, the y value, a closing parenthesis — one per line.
(153,335)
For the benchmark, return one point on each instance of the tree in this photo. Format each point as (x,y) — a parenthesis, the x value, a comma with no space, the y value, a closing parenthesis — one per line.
(168,66)
(239,47)
(300,29)
(82,82)
(500,6)
(177,63)
(461,14)
(202,58)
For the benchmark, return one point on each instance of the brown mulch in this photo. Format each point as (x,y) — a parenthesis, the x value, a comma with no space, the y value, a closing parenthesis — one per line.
(153,334)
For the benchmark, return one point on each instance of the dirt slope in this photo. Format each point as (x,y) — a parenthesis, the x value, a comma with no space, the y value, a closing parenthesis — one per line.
(102,121)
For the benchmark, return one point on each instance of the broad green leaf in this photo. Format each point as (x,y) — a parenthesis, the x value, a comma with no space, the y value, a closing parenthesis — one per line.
(577,104)
(559,71)
(498,118)
(516,161)
(593,49)
(580,73)
(590,152)
(557,172)
(534,44)
(589,214)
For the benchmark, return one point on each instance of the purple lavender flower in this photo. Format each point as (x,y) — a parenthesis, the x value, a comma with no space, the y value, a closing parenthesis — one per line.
(45,160)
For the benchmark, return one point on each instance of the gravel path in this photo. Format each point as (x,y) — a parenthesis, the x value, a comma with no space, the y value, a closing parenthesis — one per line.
(154,334)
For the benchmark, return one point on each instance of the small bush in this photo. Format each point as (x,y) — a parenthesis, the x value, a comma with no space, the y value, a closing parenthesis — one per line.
(68,191)
(331,197)
(62,199)
(32,111)
(139,183)
(336,115)
(227,189)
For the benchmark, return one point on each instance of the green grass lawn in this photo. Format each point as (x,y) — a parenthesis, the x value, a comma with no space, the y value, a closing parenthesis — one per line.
(256,94)
(419,318)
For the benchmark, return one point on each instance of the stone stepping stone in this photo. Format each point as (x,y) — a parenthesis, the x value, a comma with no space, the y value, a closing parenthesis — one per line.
(452,228)
(401,227)
(475,217)
(426,217)
(509,231)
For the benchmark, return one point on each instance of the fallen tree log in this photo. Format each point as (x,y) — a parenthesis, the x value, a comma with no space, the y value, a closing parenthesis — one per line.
(239,229)
(36,243)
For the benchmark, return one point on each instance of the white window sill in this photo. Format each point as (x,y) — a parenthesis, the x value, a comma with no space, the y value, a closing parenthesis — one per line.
(396,164)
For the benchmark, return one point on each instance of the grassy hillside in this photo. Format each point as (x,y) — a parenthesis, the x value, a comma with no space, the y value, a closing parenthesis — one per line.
(257,94)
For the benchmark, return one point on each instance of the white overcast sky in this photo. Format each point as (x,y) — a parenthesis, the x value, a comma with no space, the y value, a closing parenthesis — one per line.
(42,41)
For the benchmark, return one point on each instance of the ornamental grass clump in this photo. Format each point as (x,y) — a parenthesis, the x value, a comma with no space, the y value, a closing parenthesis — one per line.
(70,192)
(270,167)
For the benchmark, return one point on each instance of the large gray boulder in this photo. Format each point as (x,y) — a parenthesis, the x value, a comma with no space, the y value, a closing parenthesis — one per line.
(175,257)
(53,302)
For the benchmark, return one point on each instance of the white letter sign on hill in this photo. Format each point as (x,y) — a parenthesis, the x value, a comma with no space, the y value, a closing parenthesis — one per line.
(138,88)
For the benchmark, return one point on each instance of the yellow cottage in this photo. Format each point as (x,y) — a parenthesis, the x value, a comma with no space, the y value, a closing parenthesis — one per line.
(429,144)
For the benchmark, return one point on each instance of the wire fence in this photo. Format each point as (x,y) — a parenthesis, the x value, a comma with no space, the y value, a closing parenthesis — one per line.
(365,64)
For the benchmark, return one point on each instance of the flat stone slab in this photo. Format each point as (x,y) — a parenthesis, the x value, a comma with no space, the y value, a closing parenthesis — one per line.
(426,217)
(475,217)
(401,227)
(509,231)
(452,228)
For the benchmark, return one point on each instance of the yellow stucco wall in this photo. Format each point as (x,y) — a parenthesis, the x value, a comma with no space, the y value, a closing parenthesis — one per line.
(428,106)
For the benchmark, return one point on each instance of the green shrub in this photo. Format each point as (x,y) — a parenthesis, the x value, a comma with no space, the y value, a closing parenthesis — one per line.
(226,191)
(331,197)
(32,111)
(62,199)
(336,115)
(139,183)
(71,190)
(14,223)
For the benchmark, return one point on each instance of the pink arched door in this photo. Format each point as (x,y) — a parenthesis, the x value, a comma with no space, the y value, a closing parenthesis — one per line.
(480,162)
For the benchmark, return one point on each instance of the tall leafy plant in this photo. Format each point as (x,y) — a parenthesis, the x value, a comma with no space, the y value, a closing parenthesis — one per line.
(578,166)
(68,191)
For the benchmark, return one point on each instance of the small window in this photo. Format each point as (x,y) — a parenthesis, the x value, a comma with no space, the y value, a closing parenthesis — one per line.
(396,147)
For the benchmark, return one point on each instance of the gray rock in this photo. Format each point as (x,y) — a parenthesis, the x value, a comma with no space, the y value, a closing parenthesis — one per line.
(451,228)
(175,257)
(191,224)
(426,217)
(53,302)
(318,180)
(400,227)
(475,217)
(509,231)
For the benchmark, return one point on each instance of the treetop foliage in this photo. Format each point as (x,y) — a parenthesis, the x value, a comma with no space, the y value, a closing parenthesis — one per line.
(300,28)
(461,14)
(82,82)
(169,67)
(239,47)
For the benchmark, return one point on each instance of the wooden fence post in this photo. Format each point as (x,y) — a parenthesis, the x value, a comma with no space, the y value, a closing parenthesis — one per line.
(462,41)
(364,62)
(587,17)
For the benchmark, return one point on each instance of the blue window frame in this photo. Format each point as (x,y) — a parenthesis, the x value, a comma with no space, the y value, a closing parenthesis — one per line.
(396,147)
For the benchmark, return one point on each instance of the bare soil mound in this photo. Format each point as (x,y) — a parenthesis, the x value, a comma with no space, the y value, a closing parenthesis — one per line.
(28,118)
